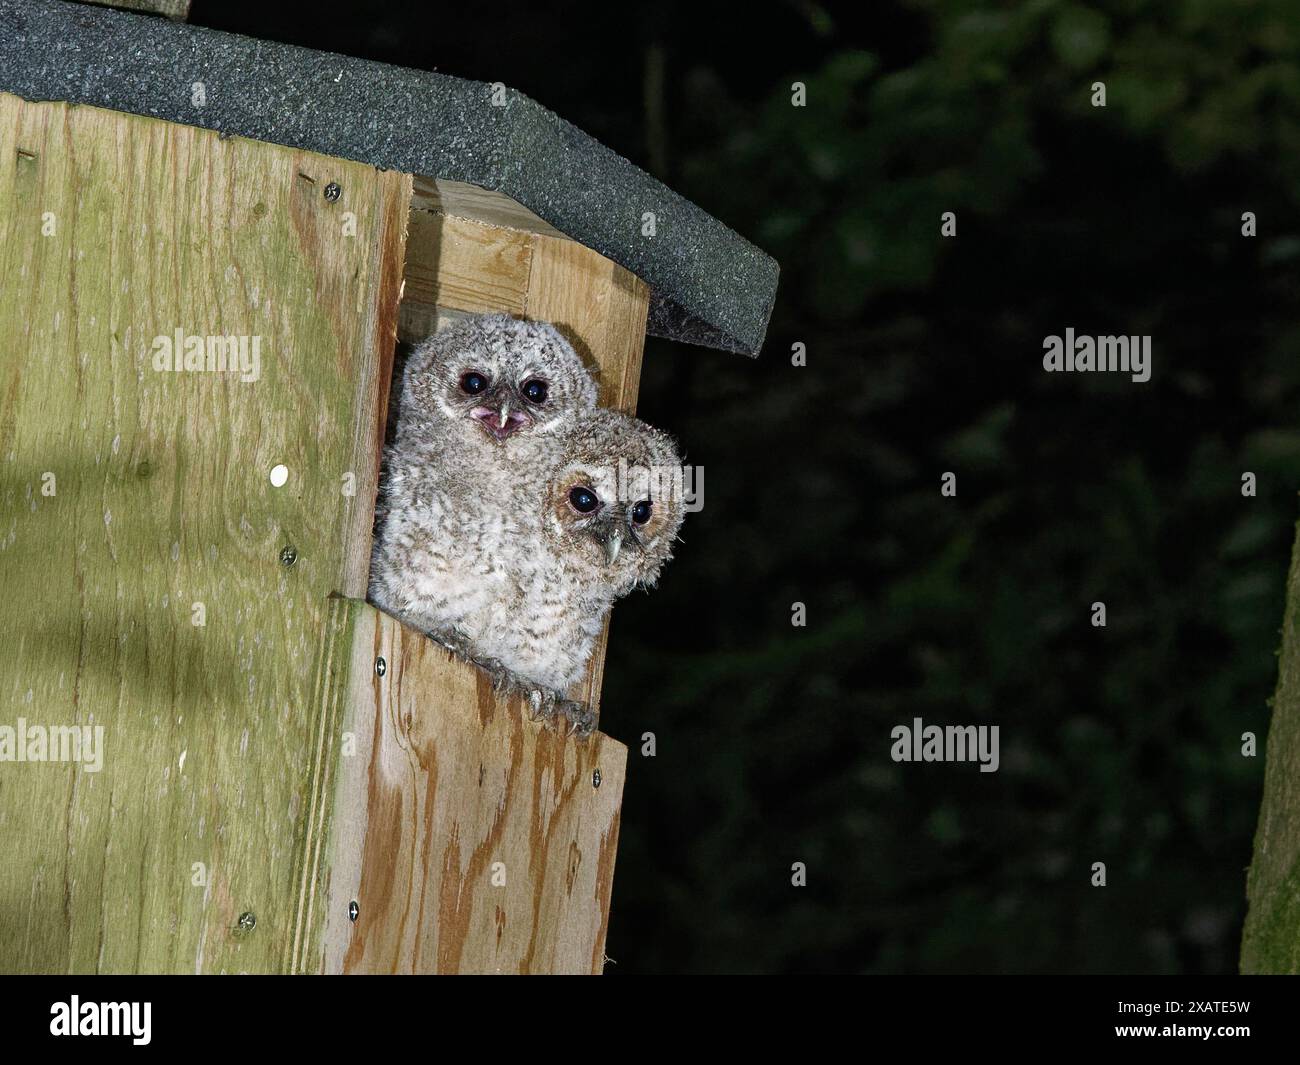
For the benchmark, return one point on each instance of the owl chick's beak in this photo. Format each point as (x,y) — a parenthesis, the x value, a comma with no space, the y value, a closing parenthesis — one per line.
(609,536)
(612,546)
(502,421)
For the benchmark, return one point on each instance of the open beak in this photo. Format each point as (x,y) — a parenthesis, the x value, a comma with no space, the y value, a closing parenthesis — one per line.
(502,421)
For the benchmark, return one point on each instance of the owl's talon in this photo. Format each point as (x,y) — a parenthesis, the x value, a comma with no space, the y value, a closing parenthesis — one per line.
(536,705)
(578,718)
(451,639)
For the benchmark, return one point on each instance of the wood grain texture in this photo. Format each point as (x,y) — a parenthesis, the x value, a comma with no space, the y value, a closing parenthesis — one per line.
(162,501)
(456,264)
(472,840)
(599,306)
(1271,937)
(476,251)
(460,200)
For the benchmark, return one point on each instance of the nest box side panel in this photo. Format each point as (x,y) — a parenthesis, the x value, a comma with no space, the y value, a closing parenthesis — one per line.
(162,583)
(470,839)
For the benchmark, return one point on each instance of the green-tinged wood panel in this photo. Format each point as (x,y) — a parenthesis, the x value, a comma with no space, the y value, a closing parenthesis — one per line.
(136,503)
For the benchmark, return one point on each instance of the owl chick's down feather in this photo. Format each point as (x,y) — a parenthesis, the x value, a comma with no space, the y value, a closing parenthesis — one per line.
(597,530)
(483,544)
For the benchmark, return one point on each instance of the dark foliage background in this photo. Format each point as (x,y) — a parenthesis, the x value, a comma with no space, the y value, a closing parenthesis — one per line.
(924,355)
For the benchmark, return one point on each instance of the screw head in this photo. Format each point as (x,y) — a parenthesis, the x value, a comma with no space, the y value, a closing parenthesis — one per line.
(247,921)
(381,667)
(595,778)
(288,555)
(333,191)
(354,911)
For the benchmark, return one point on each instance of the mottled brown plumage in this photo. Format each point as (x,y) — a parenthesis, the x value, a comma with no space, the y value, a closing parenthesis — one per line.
(578,563)
(462,471)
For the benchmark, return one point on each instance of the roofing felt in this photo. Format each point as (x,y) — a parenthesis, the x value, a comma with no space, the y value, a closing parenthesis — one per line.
(709,285)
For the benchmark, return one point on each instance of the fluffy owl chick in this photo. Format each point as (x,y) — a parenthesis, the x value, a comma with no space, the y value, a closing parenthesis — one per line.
(514,381)
(484,406)
(608,516)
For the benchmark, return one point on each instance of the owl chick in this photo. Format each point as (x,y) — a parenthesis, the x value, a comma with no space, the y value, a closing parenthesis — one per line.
(484,404)
(606,518)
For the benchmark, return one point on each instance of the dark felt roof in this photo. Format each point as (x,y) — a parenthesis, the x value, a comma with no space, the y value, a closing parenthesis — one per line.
(710,286)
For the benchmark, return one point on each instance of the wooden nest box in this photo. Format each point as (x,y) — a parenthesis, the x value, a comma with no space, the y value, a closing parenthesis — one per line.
(288,780)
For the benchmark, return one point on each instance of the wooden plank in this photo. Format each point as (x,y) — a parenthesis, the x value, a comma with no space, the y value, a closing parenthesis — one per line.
(463,265)
(162,501)
(1271,938)
(460,200)
(472,839)
(599,306)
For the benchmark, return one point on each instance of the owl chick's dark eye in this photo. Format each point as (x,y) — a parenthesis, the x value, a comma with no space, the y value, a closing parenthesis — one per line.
(472,383)
(535,391)
(641,512)
(583,500)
